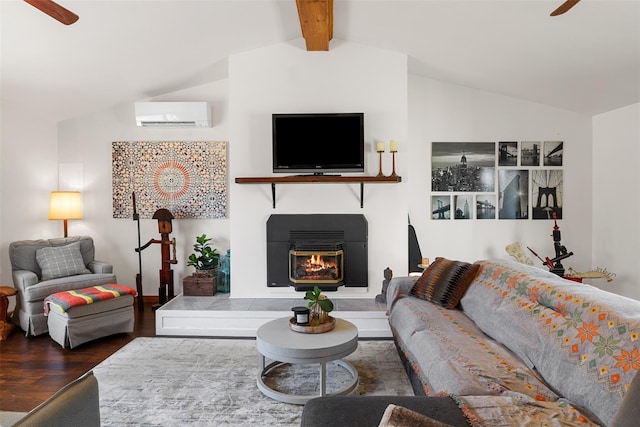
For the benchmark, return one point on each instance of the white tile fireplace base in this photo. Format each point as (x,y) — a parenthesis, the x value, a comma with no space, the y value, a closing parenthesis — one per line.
(222,316)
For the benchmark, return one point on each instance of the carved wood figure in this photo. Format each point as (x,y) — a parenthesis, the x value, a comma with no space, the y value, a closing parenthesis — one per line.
(164,218)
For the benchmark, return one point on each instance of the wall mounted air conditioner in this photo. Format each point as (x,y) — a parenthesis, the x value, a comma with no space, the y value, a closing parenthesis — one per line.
(173,114)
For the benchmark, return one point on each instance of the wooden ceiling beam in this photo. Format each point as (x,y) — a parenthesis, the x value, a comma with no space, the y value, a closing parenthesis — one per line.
(316,22)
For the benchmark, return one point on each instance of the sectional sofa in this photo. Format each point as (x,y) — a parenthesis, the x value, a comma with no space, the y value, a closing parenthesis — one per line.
(507,344)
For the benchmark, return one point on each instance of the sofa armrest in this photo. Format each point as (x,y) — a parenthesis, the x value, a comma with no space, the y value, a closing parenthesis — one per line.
(100,267)
(76,404)
(332,411)
(22,279)
(399,287)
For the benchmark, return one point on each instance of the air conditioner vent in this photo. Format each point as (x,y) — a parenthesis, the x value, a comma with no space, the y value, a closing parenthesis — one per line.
(173,114)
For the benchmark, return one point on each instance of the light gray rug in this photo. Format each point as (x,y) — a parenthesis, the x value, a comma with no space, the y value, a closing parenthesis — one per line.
(212,382)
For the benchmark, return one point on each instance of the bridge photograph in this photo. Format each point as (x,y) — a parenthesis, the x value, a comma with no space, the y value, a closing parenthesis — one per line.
(552,153)
(546,193)
(440,207)
(530,153)
(508,153)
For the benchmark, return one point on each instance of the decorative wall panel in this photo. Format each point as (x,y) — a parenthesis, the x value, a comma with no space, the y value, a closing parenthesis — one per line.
(187,178)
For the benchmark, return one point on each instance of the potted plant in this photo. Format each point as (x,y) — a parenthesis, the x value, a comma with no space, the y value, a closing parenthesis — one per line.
(319,304)
(205,259)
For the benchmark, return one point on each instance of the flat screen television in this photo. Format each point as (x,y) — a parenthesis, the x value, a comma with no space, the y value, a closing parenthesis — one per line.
(318,143)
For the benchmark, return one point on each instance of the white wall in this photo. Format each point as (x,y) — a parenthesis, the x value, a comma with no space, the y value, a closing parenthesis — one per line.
(443,112)
(29,171)
(616,197)
(287,78)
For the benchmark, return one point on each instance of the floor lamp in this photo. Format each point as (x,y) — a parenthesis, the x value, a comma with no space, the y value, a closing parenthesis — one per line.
(65,205)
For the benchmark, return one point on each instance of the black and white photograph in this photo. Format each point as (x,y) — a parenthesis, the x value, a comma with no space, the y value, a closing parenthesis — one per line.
(553,152)
(463,206)
(530,153)
(463,166)
(513,194)
(440,207)
(508,153)
(486,206)
(546,193)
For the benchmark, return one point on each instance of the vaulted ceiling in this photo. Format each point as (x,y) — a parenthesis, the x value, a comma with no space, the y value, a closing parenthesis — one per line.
(587,60)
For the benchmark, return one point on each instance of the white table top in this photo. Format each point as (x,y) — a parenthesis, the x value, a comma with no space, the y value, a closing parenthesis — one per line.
(277,341)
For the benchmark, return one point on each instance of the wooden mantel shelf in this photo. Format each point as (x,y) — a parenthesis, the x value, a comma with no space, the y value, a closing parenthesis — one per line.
(301,179)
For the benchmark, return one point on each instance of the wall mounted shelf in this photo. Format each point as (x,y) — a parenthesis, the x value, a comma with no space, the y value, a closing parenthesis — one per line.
(326,179)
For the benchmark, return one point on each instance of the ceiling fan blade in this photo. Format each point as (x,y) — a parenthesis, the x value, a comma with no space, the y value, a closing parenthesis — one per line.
(564,7)
(54,10)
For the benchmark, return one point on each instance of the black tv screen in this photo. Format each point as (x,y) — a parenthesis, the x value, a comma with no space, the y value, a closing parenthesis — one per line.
(318,143)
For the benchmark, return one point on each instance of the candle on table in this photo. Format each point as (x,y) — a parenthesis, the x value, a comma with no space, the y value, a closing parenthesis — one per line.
(380,147)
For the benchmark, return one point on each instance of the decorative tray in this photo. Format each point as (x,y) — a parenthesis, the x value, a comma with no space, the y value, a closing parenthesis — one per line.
(313,327)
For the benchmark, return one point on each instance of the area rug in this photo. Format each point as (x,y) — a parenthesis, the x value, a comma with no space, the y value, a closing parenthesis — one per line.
(212,382)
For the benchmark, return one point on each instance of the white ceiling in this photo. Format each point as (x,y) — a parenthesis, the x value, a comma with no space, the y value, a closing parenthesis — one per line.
(587,60)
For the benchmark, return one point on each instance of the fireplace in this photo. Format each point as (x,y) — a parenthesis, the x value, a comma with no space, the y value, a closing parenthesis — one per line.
(323,250)
(316,264)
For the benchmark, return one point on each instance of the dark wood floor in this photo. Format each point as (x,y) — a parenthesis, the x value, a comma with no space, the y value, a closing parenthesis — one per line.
(32,369)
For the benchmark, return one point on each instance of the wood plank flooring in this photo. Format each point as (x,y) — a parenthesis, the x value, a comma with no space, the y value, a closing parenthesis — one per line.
(34,368)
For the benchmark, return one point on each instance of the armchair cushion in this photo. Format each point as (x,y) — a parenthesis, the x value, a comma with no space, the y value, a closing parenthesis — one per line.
(61,261)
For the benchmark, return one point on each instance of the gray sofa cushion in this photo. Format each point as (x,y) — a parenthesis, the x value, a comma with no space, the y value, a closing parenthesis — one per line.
(61,261)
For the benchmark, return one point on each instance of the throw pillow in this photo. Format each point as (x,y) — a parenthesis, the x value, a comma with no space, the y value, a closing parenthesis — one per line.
(444,282)
(399,416)
(61,261)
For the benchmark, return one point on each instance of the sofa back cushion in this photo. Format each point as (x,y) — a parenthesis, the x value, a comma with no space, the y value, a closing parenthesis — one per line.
(582,340)
(22,253)
(444,282)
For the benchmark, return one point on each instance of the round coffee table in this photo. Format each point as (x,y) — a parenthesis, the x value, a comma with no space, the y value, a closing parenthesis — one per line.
(275,340)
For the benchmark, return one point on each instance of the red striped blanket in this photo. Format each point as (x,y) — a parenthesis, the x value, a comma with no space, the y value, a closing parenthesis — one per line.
(67,299)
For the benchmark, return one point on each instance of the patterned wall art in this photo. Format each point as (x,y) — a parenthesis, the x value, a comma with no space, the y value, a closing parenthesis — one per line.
(187,178)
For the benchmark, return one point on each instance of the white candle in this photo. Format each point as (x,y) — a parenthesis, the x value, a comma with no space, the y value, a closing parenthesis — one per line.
(380,147)
(393,146)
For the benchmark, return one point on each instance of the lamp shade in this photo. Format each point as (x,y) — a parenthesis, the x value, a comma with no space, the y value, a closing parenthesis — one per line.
(65,205)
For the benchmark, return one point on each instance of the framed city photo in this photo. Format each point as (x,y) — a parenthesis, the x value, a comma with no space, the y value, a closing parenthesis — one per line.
(546,193)
(485,206)
(463,206)
(513,191)
(440,207)
(508,153)
(553,152)
(530,153)
(463,166)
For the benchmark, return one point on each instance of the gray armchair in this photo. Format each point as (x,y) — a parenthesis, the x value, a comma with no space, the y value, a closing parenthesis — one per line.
(66,264)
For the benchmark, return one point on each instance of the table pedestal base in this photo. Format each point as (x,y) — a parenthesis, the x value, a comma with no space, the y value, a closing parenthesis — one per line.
(302,399)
